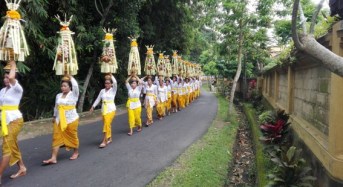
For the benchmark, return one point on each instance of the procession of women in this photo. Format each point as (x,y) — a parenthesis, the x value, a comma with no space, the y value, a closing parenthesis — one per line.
(168,86)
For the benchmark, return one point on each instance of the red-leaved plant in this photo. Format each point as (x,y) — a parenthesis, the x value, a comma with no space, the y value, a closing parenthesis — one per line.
(275,128)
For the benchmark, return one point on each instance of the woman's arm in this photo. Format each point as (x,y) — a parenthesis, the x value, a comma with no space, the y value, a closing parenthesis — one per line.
(97,101)
(75,87)
(11,76)
(114,83)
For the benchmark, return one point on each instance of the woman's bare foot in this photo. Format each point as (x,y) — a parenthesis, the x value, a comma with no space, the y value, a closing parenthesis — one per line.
(50,161)
(130,132)
(139,129)
(74,156)
(21,172)
(102,145)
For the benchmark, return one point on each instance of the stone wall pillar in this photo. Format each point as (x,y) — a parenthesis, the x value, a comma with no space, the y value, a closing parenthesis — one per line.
(290,90)
(336,100)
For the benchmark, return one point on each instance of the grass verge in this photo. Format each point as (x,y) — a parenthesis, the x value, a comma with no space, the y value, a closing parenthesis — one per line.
(205,163)
(262,163)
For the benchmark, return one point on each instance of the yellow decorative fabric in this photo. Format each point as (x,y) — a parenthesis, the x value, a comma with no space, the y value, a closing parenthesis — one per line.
(106,102)
(13,14)
(134,43)
(108,118)
(131,100)
(68,137)
(10,145)
(4,108)
(134,117)
(62,115)
(108,37)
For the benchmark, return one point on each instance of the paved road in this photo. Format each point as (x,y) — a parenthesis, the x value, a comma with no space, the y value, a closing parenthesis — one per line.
(128,161)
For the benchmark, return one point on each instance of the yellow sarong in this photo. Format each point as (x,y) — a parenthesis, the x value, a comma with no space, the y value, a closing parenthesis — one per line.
(161,112)
(134,115)
(149,113)
(174,100)
(4,108)
(186,99)
(62,115)
(106,102)
(181,101)
(68,137)
(10,145)
(108,118)
(168,104)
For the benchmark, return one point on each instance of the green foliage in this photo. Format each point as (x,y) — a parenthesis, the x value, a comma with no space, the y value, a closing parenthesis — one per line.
(262,160)
(267,116)
(290,169)
(167,24)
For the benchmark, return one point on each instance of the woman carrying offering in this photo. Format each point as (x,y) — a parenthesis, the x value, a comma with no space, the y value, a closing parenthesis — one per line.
(65,120)
(150,100)
(134,87)
(11,123)
(108,108)
(162,98)
(169,94)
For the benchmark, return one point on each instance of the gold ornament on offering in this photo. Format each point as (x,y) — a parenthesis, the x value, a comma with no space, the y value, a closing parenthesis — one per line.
(150,64)
(108,58)
(168,66)
(180,65)
(13,45)
(66,58)
(161,66)
(175,63)
(134,65)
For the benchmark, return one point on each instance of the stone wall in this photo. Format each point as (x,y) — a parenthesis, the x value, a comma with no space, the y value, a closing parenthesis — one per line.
(282,98)
(311,96)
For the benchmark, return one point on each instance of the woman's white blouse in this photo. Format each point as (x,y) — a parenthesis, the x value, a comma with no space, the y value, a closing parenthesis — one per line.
(179,89)
(169,89)
(107,95)
(149,98)
(162,93)
(134,93)
(70,99)
(175,87)
(185,86)
(11,96)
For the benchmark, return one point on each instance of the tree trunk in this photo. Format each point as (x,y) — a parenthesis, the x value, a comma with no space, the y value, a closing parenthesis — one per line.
(239,68)
(329,59)
(85,85)
(307,42)
(90,70)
